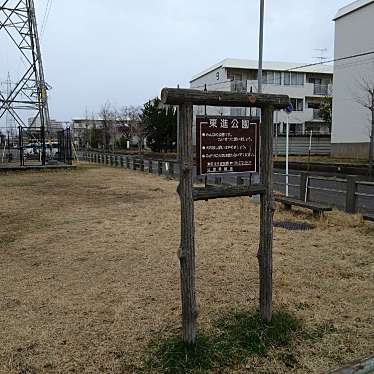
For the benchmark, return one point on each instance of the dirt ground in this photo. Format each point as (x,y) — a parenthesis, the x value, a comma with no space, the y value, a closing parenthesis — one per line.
(89,273)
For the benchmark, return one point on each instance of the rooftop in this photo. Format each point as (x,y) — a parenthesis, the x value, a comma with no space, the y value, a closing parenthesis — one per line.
(267,65)
(350,8)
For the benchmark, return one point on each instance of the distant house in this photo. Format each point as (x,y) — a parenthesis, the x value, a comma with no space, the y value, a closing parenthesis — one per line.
(307,88)
(353,35)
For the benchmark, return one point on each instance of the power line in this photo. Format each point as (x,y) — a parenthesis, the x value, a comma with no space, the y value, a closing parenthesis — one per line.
(45,18)
(334,60)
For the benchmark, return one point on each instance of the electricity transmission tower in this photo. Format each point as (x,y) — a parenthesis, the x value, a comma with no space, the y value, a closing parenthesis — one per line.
(29,93)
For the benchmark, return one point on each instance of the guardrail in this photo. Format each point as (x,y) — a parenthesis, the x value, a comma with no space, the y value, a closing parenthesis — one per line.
(351,194)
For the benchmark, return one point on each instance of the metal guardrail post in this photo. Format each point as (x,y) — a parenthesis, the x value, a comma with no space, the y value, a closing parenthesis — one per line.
(350,203)
(303,186)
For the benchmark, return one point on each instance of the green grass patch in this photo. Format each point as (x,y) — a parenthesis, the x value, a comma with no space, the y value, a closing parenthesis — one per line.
(232,340)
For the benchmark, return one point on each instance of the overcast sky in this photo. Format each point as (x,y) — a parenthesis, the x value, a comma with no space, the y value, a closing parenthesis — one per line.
(125,51)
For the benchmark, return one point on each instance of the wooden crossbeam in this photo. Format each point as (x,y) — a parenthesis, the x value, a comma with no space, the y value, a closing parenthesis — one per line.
(178,96)
(211,193)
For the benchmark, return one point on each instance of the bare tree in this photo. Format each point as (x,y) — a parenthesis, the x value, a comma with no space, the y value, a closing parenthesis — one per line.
(367,101)
(135,128)
(108,116)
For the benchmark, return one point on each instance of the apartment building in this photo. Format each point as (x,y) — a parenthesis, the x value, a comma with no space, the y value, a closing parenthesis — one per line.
(307,87)
(351,121)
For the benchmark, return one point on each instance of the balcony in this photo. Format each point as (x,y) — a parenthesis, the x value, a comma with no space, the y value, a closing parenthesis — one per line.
(239,86)
(317,115)
(321,89)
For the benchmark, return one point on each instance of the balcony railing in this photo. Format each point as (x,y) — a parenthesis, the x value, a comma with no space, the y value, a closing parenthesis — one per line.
(239,86)
(317,114)
(322,89)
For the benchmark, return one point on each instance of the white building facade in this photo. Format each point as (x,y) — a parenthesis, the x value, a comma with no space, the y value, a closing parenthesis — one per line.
(307,88)
(351,121)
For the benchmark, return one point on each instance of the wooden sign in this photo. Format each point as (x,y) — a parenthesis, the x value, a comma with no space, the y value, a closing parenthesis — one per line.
(186,99)
(226,145)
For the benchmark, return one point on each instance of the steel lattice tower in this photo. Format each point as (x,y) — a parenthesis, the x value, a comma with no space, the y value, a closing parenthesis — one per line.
(18,22)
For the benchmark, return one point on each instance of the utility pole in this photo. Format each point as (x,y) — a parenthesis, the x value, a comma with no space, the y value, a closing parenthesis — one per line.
(261,45)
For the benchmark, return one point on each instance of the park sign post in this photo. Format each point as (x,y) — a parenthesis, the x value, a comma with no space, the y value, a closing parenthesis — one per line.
(186,99)
(226,145)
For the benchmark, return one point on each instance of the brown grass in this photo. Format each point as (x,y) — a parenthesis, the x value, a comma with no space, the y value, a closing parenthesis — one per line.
(89,273)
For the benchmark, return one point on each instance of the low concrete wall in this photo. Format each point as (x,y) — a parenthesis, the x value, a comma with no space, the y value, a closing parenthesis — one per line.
(350,150)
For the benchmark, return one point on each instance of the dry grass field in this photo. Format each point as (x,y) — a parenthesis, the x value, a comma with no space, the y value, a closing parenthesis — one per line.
(89,274)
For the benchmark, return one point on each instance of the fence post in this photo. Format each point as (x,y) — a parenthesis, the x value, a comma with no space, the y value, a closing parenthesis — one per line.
(350,203)
(217,180)
(303,187)
(127,162)
(150,166)
(171,169)
(142,164)
(134,163)
(159,167)
(121,161)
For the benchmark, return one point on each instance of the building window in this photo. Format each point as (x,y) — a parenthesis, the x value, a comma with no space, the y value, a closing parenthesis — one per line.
(272,77)
(293,79)
(298,104)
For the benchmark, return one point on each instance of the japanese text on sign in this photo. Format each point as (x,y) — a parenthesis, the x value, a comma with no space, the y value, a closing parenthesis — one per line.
(226,145)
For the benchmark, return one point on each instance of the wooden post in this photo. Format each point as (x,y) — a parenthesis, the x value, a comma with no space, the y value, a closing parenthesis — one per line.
(171,169)
(303,187)
(159,167)
(186,252)
(266,216)
(121,161)
(127,162)
(142,164)
(350,205)
(134,163)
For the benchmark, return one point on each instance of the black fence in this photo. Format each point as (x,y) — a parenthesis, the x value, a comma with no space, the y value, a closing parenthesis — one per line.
(352,194)
(65,153)
(33,148)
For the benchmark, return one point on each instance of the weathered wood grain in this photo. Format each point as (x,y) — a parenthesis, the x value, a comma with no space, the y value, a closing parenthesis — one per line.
(186,251)
(178,96)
